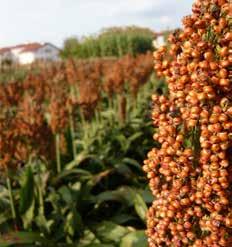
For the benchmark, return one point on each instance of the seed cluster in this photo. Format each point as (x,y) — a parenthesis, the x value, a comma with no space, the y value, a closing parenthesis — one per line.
(48,100)
(190,175)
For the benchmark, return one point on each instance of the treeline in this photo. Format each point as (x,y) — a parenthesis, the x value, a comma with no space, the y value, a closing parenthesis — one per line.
(112,42)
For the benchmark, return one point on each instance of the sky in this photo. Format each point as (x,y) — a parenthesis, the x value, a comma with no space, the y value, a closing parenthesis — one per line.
(53,21)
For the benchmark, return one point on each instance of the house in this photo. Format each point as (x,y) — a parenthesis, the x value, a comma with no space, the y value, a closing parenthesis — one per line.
(6,56)
(160,38)
(29,53)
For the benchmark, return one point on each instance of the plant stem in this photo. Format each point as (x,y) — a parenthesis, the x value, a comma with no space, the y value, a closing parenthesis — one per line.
(41,201)
(83,124)
(11,196)
(72,132)
(40,190)
(71,123)
(58,160)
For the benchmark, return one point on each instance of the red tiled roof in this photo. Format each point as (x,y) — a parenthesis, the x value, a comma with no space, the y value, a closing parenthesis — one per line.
(5,49)
(31,47)
(24,47)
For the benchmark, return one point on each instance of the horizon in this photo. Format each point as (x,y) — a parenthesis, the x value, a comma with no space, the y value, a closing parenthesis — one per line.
(57,20)
(81,37)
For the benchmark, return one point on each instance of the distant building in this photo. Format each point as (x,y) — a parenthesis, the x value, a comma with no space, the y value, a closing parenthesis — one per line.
(160,38)
(29,53)
(159,41)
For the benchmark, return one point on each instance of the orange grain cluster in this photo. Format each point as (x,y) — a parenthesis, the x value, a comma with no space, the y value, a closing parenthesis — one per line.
(190,175)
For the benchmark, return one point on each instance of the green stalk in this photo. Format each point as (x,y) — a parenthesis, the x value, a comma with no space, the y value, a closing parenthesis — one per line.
(82,117)
(84,124)
(97,117)
(115,109)
(72,132)
(71,123)
(40,191)
(11,197)
(58,160)
(41,201)
(111,107)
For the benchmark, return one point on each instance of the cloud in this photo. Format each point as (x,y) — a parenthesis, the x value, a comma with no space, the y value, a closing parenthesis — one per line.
(166,20)
(55,20)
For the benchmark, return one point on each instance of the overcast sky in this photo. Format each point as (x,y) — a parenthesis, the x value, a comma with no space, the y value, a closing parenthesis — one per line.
(54,20)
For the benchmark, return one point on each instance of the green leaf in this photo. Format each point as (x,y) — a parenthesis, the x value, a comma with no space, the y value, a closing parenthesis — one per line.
(28,216)
(98,245)
(123,170)
(124,194)
(76,171)
(122,141)
(5,216)
(44,224)
(20,238)
(132,162)
(135,136)
(121,218)
(98,177)
(88,238)
(73,223)
(134,239)
(79,159)
(109,232)
(108,113)
(26,191)
(66,194)
(140,207)
(147,195)
(4,197)
(187,143)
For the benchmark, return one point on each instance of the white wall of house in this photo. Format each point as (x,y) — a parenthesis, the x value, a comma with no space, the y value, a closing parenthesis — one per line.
(26,58)
(47,52)
(158,42)
(16,51)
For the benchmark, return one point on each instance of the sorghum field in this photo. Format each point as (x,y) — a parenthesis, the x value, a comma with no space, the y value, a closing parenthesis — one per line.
(74,136)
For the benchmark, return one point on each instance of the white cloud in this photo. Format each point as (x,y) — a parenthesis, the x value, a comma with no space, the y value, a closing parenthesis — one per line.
(122,5)
(54,20)
(166,20)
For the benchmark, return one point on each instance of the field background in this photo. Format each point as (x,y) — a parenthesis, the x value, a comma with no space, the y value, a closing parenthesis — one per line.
(73,137)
